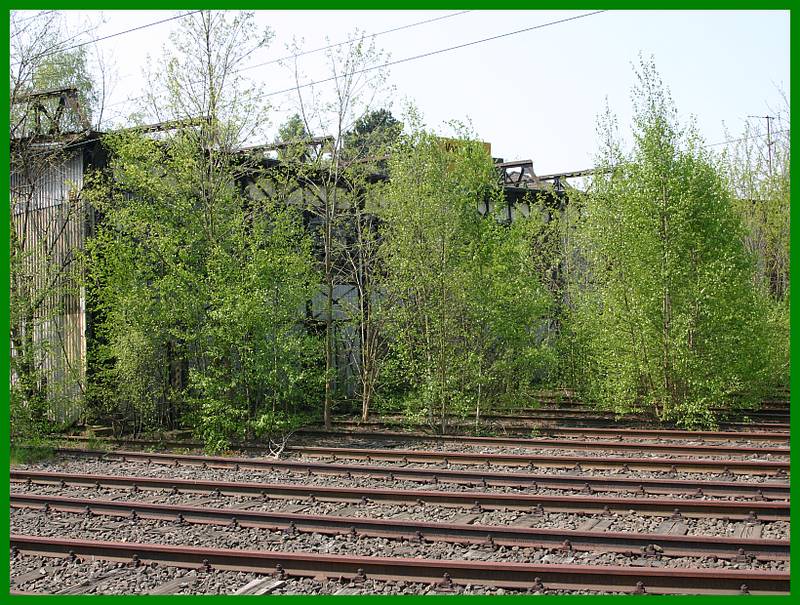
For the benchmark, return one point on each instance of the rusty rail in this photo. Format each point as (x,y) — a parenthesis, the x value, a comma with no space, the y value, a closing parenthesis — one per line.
(726,466)
(764,490)
(561,444)
(770,511)
(652,545)
(657,464)
(771,436)
(545,422)
(500,574)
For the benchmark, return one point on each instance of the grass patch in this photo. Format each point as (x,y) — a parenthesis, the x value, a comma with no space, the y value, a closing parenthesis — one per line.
(31,453)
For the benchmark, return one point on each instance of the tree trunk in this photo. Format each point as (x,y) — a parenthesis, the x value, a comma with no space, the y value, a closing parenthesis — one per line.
(329,361)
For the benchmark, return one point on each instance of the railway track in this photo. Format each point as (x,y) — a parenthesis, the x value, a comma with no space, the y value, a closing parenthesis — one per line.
(677,508)
(545,418)
(770,414)
(752,467)
(770,436)
(492,535)
(550,443)
(639,486)
(502,574)
(562,444)
(321,509)
(578,411)
(727,466)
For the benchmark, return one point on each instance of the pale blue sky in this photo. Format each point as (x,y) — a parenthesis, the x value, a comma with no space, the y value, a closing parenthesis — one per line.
(533,95)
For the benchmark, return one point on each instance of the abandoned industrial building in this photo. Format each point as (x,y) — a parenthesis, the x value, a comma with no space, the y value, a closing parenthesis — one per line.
(52,224)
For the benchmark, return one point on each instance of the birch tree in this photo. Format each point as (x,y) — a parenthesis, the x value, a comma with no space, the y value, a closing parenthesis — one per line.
(202,281)
(466,331)
(331,188)
(671,320)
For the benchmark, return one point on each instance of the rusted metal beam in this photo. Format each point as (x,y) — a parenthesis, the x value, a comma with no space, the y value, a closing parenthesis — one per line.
(167,125)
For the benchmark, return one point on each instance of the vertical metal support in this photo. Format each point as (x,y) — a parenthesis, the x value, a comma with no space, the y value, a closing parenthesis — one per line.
(769,139)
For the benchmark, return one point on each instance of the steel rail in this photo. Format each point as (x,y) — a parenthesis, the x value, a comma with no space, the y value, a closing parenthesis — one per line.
(668,434)
(545,413)
(616,433)
(779,400)
(679,464)
(759,416)
(563,444)
(550,405)
(542,422)
(767,511)
(725,466)
(761,491)
(499,574)
(653,545)
(560,444)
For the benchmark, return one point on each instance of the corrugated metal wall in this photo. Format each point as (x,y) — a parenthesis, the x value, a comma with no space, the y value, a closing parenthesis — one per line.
(49,220)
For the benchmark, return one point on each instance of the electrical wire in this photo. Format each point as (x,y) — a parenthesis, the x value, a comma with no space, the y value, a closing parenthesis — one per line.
(757,136)
(366,35)
(316,50)
(127,31)
(420,56)
(436,52)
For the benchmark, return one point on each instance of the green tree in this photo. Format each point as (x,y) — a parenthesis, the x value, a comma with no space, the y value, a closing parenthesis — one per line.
(470,309)
(372,136)
(333,186)
(294,140)
(669,317)
(202,285)
(759,172)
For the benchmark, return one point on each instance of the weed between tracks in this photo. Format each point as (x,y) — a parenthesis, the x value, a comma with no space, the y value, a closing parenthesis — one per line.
(30,453)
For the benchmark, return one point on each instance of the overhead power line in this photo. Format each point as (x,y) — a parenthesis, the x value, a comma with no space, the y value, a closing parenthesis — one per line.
(127,31)
(316,50)
(372,35)
(31,17)
(756,136)
(437,52)
(417,57)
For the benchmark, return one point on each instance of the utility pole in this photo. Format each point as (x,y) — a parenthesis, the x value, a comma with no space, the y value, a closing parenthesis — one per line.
(769,138)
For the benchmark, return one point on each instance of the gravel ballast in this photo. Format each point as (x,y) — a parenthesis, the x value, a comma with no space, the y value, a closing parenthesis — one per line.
(101,527)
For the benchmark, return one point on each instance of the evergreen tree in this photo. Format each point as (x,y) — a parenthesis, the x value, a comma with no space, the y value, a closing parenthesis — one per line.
(293,137)
(372,135)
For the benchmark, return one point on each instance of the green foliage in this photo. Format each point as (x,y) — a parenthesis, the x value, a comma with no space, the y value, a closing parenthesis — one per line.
(667,282)
(199,281)
(669,319)
(293,133)
(30,452)
(467,327)
(372,135)
(292,130)
(760,179)
(202,298)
